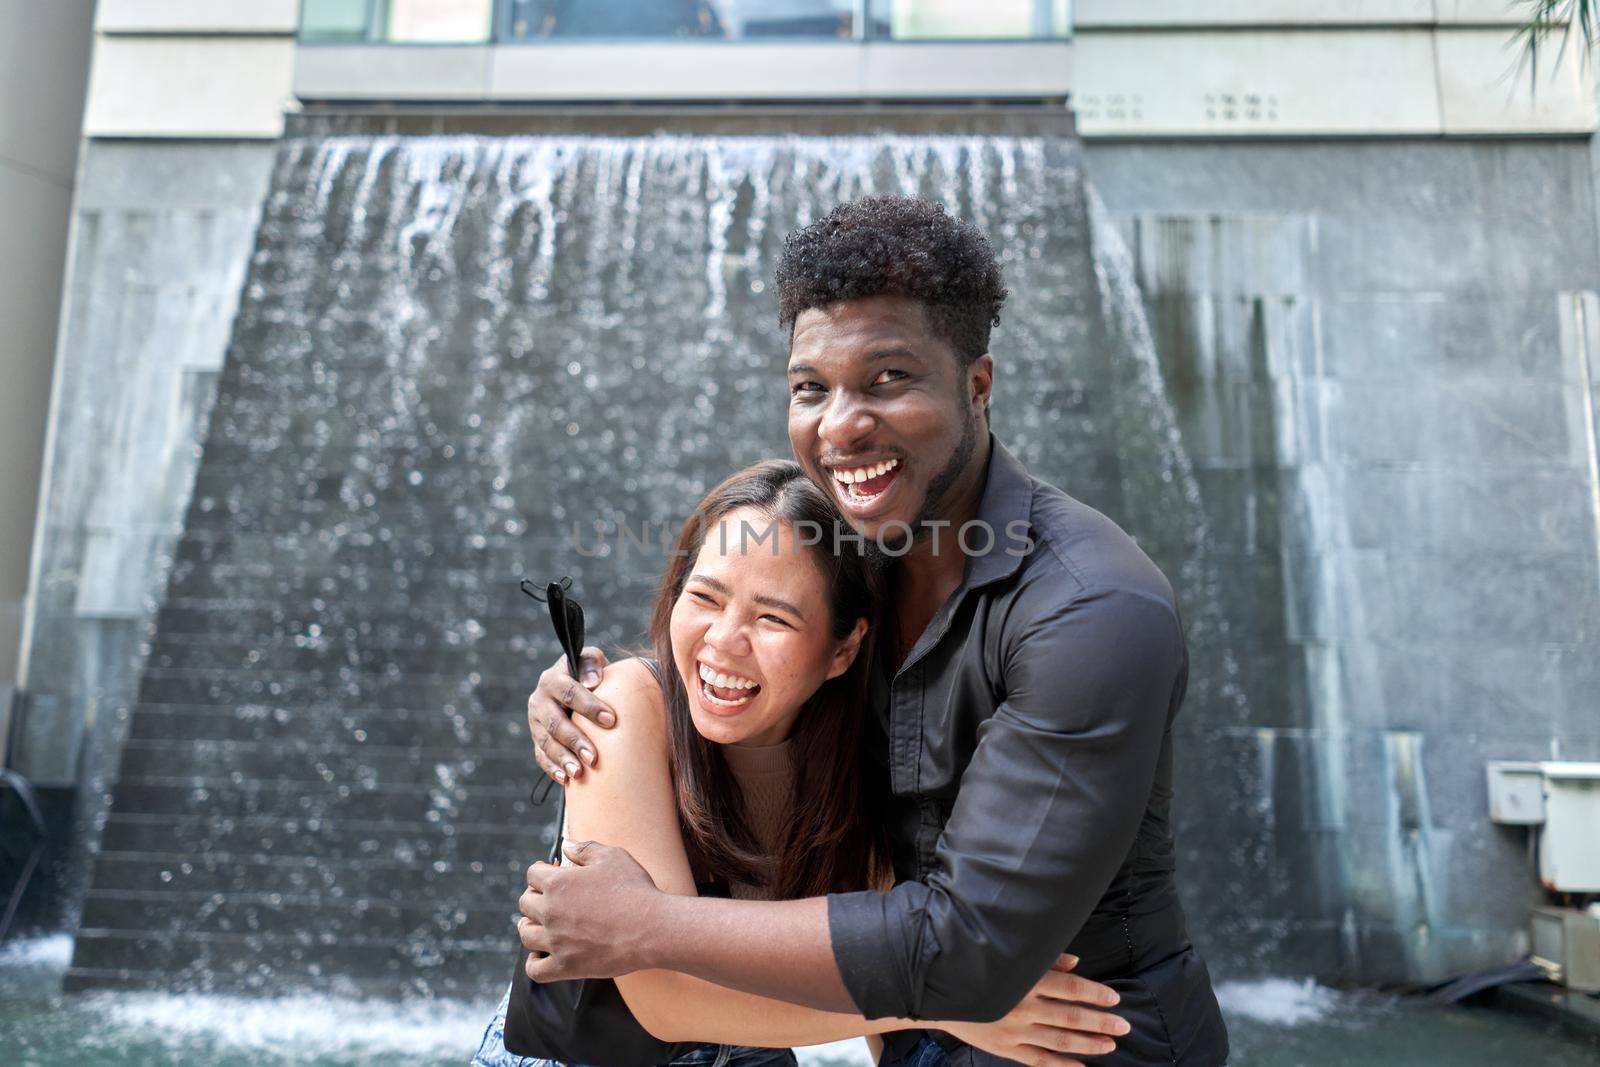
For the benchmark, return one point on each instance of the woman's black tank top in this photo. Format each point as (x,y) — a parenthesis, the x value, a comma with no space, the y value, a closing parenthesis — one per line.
(584,1020)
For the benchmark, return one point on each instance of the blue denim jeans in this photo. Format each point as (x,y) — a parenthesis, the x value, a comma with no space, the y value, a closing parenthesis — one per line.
(925,1053)
(492,1051)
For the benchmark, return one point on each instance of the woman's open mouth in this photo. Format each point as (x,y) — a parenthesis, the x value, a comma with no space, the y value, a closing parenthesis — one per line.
(725,692)
(862,489)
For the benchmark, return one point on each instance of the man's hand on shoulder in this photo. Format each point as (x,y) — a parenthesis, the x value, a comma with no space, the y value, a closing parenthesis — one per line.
(631,690)
(559,746)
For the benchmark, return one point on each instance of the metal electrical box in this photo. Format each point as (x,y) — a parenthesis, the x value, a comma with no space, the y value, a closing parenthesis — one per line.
(1561,798)
(1569,845)
(1566,944)
(1516,792)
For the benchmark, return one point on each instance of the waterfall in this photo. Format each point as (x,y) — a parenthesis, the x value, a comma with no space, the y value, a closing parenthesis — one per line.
(461,360)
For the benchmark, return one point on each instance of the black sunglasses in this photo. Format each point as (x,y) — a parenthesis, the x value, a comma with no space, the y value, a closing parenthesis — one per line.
(567,616)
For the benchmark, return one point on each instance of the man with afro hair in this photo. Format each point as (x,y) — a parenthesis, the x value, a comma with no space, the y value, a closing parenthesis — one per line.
(1031,660)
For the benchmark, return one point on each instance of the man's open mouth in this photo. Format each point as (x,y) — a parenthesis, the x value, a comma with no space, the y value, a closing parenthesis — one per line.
(865,484)
(725,690)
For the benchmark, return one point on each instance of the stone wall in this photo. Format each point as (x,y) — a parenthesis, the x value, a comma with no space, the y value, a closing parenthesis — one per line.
(1384,358)
(160,240)
(44,59)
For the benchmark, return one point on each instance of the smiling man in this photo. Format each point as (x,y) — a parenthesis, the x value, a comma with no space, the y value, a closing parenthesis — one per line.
(1032,660)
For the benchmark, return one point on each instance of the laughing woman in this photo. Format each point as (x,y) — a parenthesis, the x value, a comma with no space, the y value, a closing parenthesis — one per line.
(734,770)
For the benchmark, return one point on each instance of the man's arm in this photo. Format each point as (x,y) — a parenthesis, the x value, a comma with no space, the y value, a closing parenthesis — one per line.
(1046,812)
(1059,1015)
(600,916)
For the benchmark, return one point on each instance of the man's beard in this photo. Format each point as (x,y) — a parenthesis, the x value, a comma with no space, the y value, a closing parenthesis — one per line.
(948,475)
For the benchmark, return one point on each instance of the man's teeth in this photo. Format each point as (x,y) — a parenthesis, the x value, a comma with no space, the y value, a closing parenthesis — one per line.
(860,474)
(724,681)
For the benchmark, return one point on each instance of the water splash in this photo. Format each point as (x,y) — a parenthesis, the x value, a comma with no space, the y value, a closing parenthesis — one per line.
(51,952)
(1279,1001)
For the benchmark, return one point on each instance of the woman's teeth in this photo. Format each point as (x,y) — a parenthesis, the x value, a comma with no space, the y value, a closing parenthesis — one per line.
(864,483)
(726,690)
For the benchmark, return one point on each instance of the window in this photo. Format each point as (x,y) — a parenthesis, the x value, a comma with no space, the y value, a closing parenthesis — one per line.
(335,20)
(471,21)
(399,21)
(922,20)
(702,19)
(438,21)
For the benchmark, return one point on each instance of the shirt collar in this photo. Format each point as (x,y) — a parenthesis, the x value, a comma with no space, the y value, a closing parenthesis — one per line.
(1007,500)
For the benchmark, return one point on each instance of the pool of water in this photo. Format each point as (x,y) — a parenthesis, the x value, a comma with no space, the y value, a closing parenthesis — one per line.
(1285,1023)
(1277,1022)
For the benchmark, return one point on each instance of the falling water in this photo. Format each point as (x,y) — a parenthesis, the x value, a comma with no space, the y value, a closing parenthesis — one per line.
(462,360)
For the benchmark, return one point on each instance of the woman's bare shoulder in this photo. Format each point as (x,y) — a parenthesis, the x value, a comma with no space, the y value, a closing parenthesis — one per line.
(626,797)
(629,686)
(629,679)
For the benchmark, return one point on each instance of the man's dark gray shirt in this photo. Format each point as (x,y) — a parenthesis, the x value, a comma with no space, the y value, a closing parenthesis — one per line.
(1028,742)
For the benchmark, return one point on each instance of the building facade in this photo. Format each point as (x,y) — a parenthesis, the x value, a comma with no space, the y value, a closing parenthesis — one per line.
(1368,253)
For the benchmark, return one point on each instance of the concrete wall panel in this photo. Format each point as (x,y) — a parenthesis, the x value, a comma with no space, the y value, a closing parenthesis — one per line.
(1255,83)
(44,62)
(943,70)
(197,16)
(44,57)
(1097,14)
(1417,556)
(433,72)
(33,213)
(675,71)
(1480,12)
(1094,14)
(161,240)
(1484,86)
(189,87)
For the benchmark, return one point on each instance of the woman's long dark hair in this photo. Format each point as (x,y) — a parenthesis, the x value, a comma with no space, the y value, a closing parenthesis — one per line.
(831,843)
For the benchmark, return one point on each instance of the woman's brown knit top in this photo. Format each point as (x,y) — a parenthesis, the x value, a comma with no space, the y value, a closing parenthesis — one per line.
(766,777)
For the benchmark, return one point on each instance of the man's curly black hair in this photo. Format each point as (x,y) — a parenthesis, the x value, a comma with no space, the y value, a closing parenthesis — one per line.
(899,246)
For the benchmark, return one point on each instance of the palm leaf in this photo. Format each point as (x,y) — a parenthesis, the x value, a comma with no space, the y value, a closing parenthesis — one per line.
(1544,17)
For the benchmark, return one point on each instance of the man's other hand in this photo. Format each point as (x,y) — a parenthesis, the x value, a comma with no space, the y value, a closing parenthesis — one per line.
(588,916)
(1060,1019)
(561,748)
